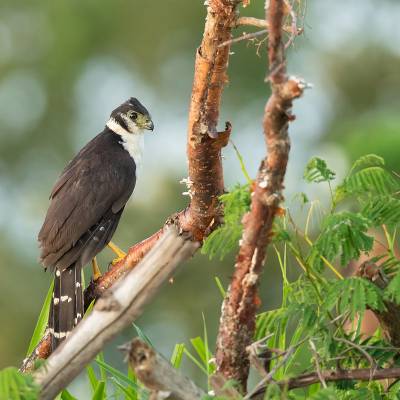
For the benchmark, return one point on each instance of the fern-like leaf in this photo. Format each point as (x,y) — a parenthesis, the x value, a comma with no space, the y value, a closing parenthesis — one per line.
(343,234)
(382,210)
(225,239)
(392,292)
(353,295)
(368,160)
(317,171)
(16,385)
(370,180)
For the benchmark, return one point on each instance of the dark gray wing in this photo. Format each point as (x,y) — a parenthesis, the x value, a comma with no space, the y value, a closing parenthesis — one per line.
(87,199)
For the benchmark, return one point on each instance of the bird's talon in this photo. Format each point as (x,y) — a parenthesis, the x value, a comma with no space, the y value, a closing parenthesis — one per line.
(96,273)
(118,259)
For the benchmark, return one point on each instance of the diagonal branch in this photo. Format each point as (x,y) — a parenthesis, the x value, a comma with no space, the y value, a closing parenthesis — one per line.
(113,312)
(204,146)
(237,323)
(362,374)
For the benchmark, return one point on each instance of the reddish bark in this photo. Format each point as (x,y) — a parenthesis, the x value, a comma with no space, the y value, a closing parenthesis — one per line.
(239,309)
(204,146)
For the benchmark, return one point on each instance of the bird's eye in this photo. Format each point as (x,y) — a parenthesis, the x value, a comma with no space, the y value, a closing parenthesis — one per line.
(134,116)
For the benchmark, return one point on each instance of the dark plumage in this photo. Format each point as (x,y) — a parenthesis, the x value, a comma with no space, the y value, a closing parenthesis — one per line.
(86,205)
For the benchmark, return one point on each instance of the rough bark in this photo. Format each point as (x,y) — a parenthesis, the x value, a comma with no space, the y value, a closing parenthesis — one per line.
(204,144)
(113,312)
(237,323)
(389,318)
(158,375)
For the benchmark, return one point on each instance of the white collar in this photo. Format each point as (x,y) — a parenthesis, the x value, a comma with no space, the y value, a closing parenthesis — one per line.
(133,143)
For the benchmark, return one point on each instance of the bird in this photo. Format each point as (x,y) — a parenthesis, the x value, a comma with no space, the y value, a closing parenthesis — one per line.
(85,207)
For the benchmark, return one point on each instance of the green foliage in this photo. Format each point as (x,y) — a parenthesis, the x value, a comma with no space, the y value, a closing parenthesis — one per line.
(370,179)
(317,171)
(122,381)
(41,323)
(65,395)
(382,210)
(325,394)
(177,355)
(353,295)
(17,386)
(320,315)
(225,239)
(100,391)
(369,160)
(343,234)
(367,177)
(392,292)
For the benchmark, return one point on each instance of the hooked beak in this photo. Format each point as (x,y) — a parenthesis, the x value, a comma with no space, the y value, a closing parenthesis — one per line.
(149,125)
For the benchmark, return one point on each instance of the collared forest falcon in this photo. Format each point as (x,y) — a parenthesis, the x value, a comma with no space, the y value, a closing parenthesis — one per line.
(86,204)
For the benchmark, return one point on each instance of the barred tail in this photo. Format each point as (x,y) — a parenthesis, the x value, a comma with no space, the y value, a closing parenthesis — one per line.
(66,308)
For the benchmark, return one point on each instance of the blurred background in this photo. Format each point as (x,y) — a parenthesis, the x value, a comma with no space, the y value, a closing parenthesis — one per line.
(65,65)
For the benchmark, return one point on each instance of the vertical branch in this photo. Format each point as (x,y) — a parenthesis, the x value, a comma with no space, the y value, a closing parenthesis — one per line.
(204,142)
(237,323)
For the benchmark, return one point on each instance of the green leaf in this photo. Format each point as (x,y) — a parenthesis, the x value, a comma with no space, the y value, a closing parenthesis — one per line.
(41,323)
(343,234)
(392,292)
(195,361)
(317,171)
(142,335)
(177,355)
(129,394)
(92,377)
(324,394)
(100,392)
(225,239)
(220,286)
(65,395)
(100,357)
(200,348)
(266,322)
(117,374)
(15,385)
(354,295)
(382,210)
(369,160)
(370,180)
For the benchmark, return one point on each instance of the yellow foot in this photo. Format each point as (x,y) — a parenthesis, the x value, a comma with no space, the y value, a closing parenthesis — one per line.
(95,269)
(120,253)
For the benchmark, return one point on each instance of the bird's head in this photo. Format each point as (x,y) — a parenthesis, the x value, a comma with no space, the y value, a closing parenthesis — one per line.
(130,117)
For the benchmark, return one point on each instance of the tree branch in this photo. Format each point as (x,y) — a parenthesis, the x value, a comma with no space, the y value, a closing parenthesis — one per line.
(159,375)
(389,318)
(113,312)
(362,374)
(239,308)
(204,146)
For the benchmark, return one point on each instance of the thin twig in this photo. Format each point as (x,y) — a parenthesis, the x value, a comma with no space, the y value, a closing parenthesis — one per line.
(372,362)
(269,376)
(317,366)
(304,380)
(262,23)
(294,30)
(245,36)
